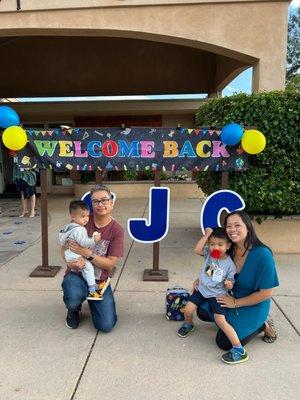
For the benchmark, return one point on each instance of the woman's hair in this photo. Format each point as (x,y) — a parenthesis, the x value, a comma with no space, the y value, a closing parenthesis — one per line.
(101,188)
(252,239)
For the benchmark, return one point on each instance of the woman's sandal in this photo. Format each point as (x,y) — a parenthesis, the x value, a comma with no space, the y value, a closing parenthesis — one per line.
(270,338)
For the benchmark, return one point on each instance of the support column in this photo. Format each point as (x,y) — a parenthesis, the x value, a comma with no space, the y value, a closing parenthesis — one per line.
(269,75)
(213,93)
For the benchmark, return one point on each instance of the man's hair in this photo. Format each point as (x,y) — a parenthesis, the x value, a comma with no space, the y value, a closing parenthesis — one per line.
(219,233)
(78,205)
(101,188)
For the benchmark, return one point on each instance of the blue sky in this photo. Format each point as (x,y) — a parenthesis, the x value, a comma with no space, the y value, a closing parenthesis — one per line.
(242,83)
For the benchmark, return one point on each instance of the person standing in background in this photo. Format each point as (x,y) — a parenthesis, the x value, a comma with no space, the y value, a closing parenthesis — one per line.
(25,180)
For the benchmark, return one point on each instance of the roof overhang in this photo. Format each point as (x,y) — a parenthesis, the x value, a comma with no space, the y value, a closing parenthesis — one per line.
(43,66)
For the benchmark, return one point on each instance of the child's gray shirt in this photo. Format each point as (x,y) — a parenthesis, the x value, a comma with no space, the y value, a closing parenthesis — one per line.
(78,233)
(207,286)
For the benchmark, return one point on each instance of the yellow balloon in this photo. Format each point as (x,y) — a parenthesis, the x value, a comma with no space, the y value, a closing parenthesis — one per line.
(253,141)
(14,138)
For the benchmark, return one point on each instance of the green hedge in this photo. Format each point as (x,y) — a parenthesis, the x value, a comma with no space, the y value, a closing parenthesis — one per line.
(271,184)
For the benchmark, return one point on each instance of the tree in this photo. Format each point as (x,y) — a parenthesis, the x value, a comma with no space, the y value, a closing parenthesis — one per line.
(294,83)
(293,47)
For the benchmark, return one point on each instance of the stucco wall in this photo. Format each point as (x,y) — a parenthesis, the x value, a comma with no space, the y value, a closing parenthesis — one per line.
(252,32)
(31,5)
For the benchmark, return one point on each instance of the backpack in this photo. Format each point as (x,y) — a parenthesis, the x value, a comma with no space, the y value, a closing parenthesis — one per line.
(176,299)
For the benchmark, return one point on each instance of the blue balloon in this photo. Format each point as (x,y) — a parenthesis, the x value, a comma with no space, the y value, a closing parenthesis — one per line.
(8,117)
(231,134)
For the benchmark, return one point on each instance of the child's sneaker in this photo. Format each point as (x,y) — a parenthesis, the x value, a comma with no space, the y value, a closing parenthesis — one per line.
(94,296)
(185,329)
(233,356)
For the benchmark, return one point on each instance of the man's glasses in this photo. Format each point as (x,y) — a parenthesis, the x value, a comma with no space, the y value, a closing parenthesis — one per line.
(103,201)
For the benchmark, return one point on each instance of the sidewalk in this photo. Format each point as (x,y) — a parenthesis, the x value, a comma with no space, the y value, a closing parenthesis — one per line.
(142,358)
(16,234)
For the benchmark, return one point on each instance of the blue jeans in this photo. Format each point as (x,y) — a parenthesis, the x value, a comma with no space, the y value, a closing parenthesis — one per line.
(103,312)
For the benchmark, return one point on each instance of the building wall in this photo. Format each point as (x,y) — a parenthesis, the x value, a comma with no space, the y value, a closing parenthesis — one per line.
(235,33)
(248,31)
(45,5)
(185,121)
(172,112)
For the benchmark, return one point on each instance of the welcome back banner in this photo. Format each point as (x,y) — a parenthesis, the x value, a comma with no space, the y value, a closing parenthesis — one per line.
(130,149)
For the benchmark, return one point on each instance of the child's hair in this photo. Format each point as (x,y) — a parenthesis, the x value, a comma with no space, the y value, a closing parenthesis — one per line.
(219,233)
(78,205)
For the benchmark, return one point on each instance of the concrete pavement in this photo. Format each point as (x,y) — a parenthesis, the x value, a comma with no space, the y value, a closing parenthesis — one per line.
(16,234)
(142,358)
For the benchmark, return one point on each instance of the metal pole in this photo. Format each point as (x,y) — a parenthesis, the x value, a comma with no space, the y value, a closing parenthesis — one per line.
(98,177)
(44,218)
(225,180)
(44,270)
(224,185)
(156,274)
(157,181)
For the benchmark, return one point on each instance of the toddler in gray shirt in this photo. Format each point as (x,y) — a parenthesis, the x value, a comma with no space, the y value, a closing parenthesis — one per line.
(215,279)
(75,230)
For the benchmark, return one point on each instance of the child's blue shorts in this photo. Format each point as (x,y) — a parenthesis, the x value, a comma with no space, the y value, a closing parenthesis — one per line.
(198,299)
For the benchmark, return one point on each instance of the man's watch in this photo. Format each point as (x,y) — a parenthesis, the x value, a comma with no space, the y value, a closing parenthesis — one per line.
(90,258)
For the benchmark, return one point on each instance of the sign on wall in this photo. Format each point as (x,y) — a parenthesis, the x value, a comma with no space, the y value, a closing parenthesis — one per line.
(136,149)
